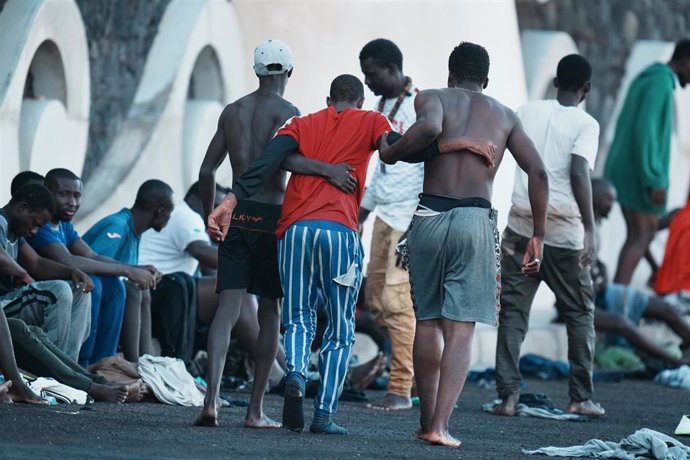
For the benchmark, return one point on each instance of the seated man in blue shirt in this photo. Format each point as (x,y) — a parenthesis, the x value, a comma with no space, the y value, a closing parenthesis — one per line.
(59,241)
(117,236)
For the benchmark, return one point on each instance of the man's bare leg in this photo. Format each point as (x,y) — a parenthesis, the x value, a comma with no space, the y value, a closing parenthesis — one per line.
(455,363)
(641,228)
(207,299)
(616,324)
(145,331)
(15,390)
(131,324)
(661,310)
(218,342)
(264,358)
(426,355)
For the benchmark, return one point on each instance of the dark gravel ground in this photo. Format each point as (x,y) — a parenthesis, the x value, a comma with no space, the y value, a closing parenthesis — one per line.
(159,431)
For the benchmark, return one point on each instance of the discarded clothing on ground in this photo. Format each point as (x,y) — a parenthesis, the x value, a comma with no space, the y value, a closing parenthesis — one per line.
(543,368)
(644,443)
(44,386)
(683,427)
(537,405)
(677,378)
(617,358)
(485,378)
(169,380)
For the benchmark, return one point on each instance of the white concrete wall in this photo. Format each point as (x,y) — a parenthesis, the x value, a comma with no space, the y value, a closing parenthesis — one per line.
(52,130)
(166,134)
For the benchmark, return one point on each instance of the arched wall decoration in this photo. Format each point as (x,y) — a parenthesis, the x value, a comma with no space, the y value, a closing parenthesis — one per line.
(44,88)
(541,51)
(154,136)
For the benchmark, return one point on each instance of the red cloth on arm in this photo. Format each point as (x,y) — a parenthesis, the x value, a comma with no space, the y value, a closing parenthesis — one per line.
(674,273)
(346,137)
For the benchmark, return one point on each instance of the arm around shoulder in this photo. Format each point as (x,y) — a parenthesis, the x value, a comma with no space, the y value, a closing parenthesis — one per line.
(428,126)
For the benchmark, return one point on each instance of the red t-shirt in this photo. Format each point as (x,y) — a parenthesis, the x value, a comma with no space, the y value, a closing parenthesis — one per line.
(346,137)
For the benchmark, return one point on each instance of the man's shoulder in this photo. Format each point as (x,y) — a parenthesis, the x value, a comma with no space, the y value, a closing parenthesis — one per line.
(184,214)
(119,219)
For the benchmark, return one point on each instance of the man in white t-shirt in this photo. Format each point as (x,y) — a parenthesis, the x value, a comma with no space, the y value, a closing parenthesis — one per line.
(393,192)
(567,139)
(177,251)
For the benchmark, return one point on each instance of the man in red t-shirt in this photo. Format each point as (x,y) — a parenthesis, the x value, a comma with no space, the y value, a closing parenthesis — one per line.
(319,249)
(320,253)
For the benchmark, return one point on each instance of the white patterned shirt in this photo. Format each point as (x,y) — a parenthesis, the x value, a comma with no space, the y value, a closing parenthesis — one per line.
(394,189)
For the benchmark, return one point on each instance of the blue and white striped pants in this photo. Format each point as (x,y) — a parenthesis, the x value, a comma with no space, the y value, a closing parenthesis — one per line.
(320,265)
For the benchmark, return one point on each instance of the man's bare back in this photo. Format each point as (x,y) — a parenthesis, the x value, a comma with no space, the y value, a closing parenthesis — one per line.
(470,114)
(460,111)
(248,125)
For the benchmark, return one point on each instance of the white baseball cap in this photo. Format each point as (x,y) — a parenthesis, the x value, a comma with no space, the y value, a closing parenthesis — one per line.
(273,52)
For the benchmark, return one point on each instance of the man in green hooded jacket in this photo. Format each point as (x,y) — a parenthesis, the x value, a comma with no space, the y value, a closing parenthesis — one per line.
(638,161)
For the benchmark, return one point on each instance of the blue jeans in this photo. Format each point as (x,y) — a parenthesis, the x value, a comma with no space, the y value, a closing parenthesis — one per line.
(107,312)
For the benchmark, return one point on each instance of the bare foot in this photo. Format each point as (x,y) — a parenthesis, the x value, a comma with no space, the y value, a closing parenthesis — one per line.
(106,393)
(20,393)
(362,376)
(261,422)
(208,417)
(4,389)
(507,406)
(135,392)
(391,402)
(439,439)
(588,408)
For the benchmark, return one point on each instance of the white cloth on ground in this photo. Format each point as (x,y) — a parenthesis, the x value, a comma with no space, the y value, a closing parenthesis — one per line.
(677,378)
(524,410)
(45,386)
(644,443)
(169,381)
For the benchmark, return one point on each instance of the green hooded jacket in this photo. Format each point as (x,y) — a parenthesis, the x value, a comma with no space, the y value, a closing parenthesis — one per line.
(638,161)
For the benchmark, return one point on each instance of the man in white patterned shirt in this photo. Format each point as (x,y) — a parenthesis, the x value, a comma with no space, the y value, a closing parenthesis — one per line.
(393,192)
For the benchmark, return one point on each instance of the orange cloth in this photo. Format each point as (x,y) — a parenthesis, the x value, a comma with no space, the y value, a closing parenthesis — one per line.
(346,137)
(674,274)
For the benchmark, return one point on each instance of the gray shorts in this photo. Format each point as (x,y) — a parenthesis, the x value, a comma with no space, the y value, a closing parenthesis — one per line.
(454,263)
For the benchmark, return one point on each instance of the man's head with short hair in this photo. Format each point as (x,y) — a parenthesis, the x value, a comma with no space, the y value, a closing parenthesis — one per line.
(31,207)
(273,57)
(381,62)
(67,189)
(468,63)
(680,61)
(193,197)
(603,197)
(573,74)
(154,197)
(24,178)
(346,89)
